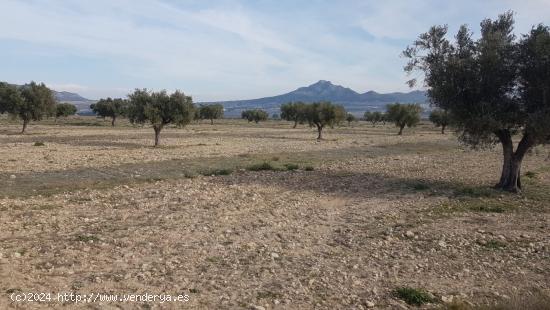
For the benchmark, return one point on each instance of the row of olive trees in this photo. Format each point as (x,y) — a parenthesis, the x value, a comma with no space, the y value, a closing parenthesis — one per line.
(491,88)
(31,102)
(400,114)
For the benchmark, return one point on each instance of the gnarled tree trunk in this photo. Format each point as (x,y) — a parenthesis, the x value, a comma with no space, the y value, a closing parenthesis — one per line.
(113,121)
(510,179)
(320,132)
(295,123)
(443,129)
(157,129)
(401,130)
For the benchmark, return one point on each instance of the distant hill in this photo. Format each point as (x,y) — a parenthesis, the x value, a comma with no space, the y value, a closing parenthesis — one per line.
(353,101)
(82,104)
(64,96)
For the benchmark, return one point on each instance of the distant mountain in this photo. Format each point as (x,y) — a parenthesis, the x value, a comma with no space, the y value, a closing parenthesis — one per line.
(65,96)
(82,104)
(353,101)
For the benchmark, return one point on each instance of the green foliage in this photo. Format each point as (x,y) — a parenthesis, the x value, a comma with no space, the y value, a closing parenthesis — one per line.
(9,96)
(292,167)
(373,117)
(412,296)
(39,143)
(404,115)
(110,108)
(492,88)
(64,110)
(261,167)
(160,109)
(322,114)
(293,112)
(255,115)
(211,112)
(30,102)
(440,118)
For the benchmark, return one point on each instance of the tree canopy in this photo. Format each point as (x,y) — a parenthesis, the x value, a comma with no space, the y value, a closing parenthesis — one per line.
(64,109)
(255,115)
(293,112)
(440,118)
(109,107)
(350,118)
(322,114)
(373,117)
(211,112)
(403,115)
(30,102)
(493,87)
(160,109)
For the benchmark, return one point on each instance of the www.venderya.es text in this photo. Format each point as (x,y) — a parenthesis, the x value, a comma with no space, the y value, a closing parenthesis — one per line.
(72,297)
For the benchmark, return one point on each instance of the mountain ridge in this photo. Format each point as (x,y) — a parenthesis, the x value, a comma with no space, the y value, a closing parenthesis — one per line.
(323,90)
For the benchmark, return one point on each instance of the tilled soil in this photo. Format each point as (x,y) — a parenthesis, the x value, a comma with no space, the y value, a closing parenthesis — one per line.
(343,236)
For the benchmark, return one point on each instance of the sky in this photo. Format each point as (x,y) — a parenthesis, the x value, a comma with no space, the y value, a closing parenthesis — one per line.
(227,49)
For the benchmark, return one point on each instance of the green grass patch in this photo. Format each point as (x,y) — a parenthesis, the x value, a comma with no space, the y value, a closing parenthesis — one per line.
(265,166)
(494,244)
(39,143)
(292,167)
(531,174)
(413,296)
(419,186)
(216,172)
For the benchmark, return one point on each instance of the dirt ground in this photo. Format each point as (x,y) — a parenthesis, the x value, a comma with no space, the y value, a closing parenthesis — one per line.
(337,224)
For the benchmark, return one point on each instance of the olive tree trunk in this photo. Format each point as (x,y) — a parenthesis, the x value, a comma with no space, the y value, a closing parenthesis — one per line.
(113,121)
(401,129)
(510,179)
(157,129)
(319,132)
(443,129)
(25,123)
(295,123)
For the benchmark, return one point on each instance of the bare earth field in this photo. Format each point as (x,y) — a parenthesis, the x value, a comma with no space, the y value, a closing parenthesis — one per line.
(96,209)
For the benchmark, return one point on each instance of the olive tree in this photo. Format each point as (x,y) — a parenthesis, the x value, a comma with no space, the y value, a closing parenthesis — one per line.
(64,109)
(293,112)
(321,114)
(403,115)
(255,115)
(8,95)
(211,112)
(493,88)
(109,107)
(440,118)
(30,102)
(373,117)
(160,109)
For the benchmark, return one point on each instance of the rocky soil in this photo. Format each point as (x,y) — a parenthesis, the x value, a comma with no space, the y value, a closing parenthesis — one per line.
(382,212)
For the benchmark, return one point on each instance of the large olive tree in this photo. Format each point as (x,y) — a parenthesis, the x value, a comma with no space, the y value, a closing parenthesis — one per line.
(493,88)
(160,109)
